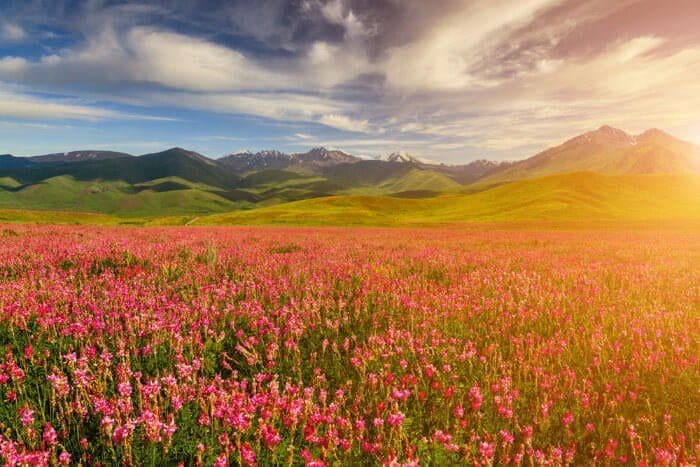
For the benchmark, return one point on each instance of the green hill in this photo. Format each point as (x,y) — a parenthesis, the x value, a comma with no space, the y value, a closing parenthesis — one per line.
(160,197)
(180,182)
(174,162)
(419,180)
(338,188)
(569,197)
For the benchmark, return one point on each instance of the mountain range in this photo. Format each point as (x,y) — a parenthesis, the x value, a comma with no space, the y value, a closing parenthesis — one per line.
(178,182)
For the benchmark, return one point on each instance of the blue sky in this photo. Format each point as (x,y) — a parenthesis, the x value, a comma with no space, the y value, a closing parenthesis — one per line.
(449,80)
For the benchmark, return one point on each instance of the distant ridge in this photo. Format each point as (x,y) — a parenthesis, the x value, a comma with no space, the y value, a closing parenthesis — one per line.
(79,156)
(609,151)
(246,162)
(179,180)
(8,161)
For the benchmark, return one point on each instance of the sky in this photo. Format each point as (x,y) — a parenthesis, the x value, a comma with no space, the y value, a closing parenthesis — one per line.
(447,80)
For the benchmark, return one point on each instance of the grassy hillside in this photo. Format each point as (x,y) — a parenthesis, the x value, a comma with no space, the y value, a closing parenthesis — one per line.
(419,180)
(172,163)
(569,197)
(160,197)
(178,182)
(607,151)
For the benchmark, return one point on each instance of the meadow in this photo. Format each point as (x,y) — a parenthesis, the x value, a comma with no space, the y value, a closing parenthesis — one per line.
(348,346)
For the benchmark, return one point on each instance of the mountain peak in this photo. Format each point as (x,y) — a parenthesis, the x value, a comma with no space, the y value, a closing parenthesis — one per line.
(324,155)
(404,157)
(608,129)
(180,152)
(654,133)
(177,150)
(611,132)
(605,135)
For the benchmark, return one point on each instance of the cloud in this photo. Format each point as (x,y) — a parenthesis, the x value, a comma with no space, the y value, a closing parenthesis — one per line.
(11,32)
(336,12)
(471,78)
(23,107)
(18,105)
(144,55)
(345,123)
(276,106)
(443,58)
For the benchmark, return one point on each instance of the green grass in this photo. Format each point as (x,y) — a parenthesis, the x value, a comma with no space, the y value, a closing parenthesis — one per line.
(160,197)
(22,216)
(414,180)
(9,182)
(570,197)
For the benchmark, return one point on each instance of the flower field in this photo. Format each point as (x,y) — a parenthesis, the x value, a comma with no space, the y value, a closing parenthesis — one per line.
(293,346)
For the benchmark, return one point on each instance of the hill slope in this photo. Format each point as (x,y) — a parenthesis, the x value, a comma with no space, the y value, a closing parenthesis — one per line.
(8,161)
(607,151)
(160,197)
(570,197)
(166,183)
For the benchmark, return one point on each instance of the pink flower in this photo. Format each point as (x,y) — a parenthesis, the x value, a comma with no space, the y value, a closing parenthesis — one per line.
(476,398)
(64,458)
(248,455)
(507,437)
(486,450)
(26,416)
(270,437)
(124,389)
(395,419)
(568,418)
(49,436)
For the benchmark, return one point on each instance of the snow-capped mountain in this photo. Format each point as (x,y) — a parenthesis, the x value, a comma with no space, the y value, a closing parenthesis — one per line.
(402,156)
(275,160)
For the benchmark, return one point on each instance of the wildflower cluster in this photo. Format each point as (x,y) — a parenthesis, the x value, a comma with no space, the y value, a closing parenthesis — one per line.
(257,346)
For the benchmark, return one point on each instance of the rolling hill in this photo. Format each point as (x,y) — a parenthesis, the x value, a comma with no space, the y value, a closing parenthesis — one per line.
(178,182)
(569,197)
(175,181)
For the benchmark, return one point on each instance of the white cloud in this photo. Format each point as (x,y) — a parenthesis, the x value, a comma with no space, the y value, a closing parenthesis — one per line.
(334,11)
(146,55)
(23,107)
(277,106)
(180,62)
(12,65)
(345,123)
(158,57)
(11,32)
(19,105)
(442,59)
